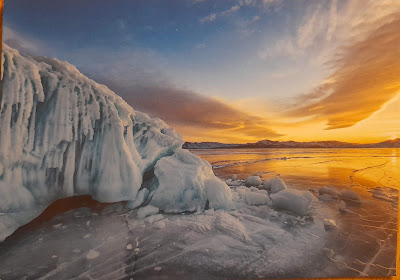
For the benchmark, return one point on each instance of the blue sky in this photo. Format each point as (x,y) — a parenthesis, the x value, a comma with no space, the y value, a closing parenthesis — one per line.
(193,48)
(258,57)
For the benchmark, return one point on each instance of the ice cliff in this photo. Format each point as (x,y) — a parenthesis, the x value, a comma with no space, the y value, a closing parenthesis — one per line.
(62,134)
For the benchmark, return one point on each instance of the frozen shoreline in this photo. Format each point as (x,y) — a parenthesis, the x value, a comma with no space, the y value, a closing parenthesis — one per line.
(249,242)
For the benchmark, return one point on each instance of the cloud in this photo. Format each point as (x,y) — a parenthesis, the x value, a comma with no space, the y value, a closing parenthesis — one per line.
(209,18)
(213,16)
(140,76)
(365,76)
(185,109)
(230,11)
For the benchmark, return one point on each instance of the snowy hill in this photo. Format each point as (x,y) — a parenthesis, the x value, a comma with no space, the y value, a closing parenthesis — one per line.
(291,144)
(62,134)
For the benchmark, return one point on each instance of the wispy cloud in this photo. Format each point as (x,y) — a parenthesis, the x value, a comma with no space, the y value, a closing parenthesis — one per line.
(230,11)
(365,76)
(265,4)
(208,18)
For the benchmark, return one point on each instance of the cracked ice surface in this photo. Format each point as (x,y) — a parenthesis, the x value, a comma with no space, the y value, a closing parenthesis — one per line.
(251,242)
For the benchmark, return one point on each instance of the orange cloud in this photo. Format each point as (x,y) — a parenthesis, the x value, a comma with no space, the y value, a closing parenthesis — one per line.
(366,75)
(197,117)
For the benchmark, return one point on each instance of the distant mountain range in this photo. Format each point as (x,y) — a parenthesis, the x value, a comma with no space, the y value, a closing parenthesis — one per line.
(291,144)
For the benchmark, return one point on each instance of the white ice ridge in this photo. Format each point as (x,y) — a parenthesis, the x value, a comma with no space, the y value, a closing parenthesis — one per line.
(62,134)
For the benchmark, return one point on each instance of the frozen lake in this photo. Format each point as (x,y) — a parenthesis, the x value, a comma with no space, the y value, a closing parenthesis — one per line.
(359,169)
(370,232)
(108,241)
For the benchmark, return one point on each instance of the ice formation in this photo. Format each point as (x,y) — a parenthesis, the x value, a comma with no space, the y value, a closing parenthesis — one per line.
(253,181)
(328,190)
(350,195)
(187,183)
(147,211)
(255,198)
(63,134)
(292,200)
(274,185)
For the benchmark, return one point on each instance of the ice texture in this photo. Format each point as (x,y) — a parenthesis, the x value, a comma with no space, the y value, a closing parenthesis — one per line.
(62,134)
(292,200)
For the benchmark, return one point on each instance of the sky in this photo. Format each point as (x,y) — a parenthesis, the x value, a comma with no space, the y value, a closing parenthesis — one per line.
(233,71)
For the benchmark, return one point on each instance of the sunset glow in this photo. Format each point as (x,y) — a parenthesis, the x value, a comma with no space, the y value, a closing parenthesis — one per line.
(234,71)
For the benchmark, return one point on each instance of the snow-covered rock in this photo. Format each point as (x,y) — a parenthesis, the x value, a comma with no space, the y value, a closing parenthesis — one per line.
(147,211)
(274,185)
(293,200)
(253,181)
(62,134)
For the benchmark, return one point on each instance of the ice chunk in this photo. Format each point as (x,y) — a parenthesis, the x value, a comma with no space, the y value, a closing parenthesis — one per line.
(159,224)
(234,177)
(129,247)
(186,183)
(253,181)
(262,191)
(293,200)
(236,183)
(147,211)
(329,224)
(349,195)
(274,185)
(140,197)
(328,190)
(218,194)
(253,198)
